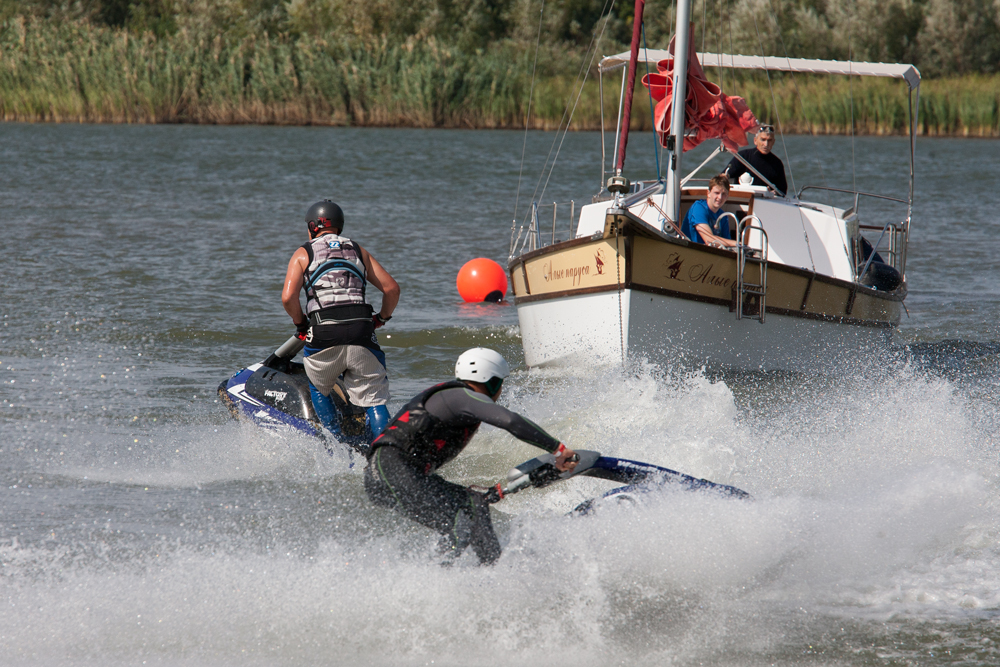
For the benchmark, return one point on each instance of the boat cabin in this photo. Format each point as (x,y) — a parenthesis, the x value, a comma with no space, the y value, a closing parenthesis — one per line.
(806,235)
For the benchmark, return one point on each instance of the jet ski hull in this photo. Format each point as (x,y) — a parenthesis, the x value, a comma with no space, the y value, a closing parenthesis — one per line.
(275,395)
(271,399)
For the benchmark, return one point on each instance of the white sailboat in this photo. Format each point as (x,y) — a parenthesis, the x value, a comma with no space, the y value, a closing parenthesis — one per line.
(802,290)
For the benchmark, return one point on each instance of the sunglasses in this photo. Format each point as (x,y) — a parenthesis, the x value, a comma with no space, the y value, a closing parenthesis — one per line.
(765,129)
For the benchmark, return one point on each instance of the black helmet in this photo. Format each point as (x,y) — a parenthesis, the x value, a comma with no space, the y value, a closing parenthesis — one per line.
(324,215)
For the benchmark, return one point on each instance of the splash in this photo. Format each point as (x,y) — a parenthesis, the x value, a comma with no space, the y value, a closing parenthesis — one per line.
(875,502)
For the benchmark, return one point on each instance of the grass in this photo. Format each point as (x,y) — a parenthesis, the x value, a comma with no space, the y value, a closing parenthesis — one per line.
(78,72)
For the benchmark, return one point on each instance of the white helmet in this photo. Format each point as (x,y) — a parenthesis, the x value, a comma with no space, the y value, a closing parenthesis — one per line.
(481,364)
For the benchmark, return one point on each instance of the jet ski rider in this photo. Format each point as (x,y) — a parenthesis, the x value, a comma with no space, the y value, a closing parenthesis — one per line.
(339,325)
(431,430)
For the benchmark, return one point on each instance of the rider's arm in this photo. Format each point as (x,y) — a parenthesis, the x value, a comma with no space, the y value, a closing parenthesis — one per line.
(293,284)
(779,179)
(711,239)
(734,170)
(385,283)
(473,405)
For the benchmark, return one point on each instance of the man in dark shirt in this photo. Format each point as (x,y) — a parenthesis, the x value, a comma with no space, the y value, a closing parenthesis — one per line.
(431,430)
(762,159)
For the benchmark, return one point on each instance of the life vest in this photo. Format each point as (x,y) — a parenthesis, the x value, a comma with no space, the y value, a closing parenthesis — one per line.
(336,274)
(429,440)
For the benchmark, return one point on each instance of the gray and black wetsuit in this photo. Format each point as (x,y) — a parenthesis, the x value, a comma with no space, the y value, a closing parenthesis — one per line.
(428,432)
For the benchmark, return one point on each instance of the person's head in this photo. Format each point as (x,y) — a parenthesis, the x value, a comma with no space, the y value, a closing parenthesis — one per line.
(324,216)
(764,139)
(483,368)
(718,192)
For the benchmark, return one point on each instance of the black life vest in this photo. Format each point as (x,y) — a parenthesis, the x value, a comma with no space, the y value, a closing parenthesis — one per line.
(429,440)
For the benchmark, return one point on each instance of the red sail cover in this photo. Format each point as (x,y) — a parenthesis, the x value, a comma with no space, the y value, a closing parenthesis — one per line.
(712,114)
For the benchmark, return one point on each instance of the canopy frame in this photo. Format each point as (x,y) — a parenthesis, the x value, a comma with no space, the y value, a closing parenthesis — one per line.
(908,73)
(904,72)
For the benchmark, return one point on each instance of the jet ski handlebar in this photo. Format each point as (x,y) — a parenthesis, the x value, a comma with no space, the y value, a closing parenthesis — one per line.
(540,472)
(287,350)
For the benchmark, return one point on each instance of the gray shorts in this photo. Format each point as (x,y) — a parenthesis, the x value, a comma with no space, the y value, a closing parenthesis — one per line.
(364,375)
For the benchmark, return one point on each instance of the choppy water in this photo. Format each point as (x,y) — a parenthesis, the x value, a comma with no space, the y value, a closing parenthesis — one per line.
(139,525)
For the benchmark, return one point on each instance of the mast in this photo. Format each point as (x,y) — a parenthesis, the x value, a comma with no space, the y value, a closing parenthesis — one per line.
(618,184)
(675,141)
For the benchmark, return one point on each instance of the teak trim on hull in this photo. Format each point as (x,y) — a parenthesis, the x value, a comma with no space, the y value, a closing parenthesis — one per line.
(628,229)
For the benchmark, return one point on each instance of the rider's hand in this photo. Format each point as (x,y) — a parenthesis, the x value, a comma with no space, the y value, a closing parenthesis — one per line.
(380,321)
(481,494)
(302,329)
(566,458)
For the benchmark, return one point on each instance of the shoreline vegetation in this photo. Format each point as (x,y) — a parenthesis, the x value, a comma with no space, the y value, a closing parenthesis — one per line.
(79,71)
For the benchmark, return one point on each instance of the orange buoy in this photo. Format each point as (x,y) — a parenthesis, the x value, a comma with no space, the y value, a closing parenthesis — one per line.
(481,279)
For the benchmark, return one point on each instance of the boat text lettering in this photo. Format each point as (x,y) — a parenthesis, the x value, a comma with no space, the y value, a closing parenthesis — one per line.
(699,273)
(574,272)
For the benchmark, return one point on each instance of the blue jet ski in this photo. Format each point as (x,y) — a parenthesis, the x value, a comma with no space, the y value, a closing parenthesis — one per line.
(274,394)
(638,479)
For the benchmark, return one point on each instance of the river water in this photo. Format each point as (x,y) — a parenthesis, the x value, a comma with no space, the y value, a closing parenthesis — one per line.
(140,525)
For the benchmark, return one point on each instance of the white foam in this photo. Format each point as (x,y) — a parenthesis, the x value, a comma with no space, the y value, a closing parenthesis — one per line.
(873,501)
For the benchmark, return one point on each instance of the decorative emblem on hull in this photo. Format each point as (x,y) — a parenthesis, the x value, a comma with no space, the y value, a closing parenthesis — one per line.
(673,265)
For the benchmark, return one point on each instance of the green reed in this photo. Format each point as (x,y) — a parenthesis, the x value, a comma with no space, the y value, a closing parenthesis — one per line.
(78,72)
(960,106)
(86,73)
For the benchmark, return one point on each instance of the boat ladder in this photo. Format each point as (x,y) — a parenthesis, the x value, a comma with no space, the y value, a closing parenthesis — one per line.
(751,297)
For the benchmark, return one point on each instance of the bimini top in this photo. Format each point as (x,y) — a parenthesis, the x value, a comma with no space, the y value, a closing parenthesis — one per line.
(908,73)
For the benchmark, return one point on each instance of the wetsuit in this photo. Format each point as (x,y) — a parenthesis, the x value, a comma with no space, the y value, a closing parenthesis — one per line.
(769,166)
(427,433)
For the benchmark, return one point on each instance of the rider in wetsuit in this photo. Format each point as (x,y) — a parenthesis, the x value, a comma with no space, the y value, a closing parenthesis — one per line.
(430,431)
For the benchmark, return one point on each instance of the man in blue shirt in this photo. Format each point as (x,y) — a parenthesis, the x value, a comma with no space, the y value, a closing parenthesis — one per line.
(702,224)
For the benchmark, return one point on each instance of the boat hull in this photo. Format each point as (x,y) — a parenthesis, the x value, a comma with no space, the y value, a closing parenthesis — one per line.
(642,295)
(658,328)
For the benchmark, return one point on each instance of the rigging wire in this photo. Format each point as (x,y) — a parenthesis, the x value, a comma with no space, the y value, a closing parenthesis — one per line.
(795,84)
(652,108)
(618,273)
(777,116)
(527,117)
(604,158)
(704,28)
(850,87)
(732,50)
(585,68)
(704,22)
(618,123)
(770,85)
(720,72)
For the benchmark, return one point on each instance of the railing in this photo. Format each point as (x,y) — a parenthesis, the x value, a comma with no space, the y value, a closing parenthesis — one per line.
(525,240)
(892,236)
(535,237)
(746,253)
(894,250)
